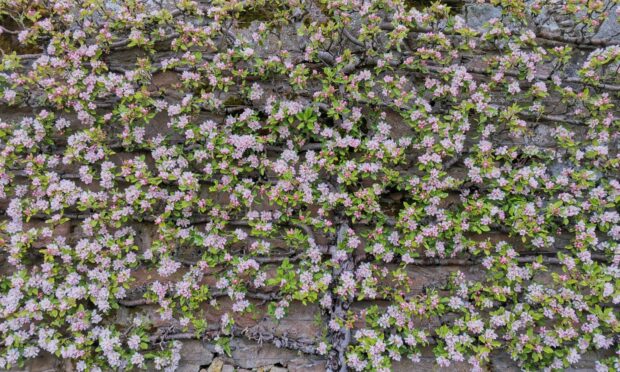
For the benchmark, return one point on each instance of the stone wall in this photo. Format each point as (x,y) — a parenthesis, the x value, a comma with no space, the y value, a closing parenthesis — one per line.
(260,342)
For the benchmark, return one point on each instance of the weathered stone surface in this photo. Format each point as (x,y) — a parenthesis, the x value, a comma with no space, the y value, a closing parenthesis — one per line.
(542,136)
(45,362)
(253,355)
(547,22)
(478,14)
(194,352)
(609,28)
(216,366)
(306,365)
(502,362)
(427,366)
(278,369)
(188,368)
(300,322)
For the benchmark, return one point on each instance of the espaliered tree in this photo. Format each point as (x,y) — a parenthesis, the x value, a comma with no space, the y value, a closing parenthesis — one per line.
(212,159)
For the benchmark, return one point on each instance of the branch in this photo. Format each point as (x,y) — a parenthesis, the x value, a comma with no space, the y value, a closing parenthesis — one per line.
(579,41)
(253,295)
(352,38)
(300,344)
(526,258)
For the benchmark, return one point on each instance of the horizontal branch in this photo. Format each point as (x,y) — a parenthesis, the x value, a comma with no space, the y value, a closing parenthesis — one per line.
(303,345)
(542,35)
(524,258)
(215,294)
